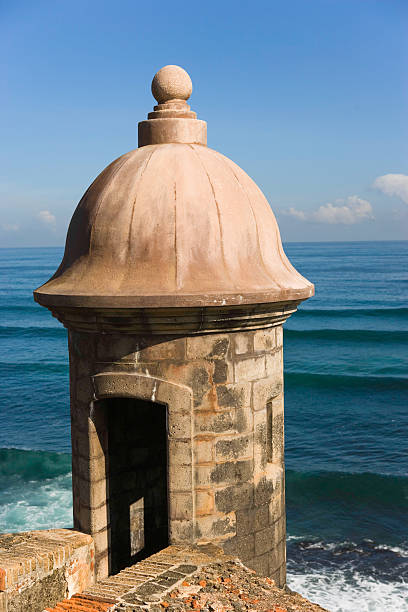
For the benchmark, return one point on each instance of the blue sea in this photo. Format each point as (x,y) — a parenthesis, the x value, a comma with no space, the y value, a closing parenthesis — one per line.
(346,393)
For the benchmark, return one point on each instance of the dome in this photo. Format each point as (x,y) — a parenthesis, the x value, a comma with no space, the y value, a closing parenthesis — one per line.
(173,223)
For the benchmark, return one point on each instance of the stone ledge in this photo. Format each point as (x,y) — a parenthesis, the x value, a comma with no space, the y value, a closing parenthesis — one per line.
(187,578)
(37,567)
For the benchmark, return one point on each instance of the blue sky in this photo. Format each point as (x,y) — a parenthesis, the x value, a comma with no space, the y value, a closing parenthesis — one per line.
(308,96)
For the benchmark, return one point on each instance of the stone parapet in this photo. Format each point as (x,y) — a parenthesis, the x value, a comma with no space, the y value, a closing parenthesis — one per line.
(38,568)
(187,578)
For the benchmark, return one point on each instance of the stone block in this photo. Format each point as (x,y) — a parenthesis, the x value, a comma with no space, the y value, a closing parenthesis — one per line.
(277,437)
(83,492)
(98,518)
(115,347)
(180,531)
(98,492)
(204,502)
(260,441)
(178,398)
(245,521)
(274,365)
(260,565)
(209,528)
(232,472)
(83,389)
(265,390)
(276,505)
(279,529)
(101,540)
(279,335)
(204,450)
(226,421)
(276,557)
(179,425)
(252,368)
(181,506)
(180,452)
(235,498)
(81,346)
(234,395)
(101,566)
(261,517)
(82,515)
(263,491)
(211,346)
(152,349)
(92,469)
(244,547)
(243,342)
(202,475)
(282,575)
(264,541)
(278,404)
(223,372)
(180,477)
(239,447)
(195,375)
(265,340)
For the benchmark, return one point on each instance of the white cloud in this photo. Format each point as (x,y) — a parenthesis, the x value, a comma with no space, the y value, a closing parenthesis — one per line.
(298,214)
(393,185)
(47,217)
(347,212)
(10,227)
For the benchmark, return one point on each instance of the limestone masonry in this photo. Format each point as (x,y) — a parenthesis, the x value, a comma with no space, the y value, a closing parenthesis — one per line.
(174,286)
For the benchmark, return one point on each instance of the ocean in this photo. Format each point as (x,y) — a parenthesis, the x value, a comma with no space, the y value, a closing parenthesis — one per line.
(346,401)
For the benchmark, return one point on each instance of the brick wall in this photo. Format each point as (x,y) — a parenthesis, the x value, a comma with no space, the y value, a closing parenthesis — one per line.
(38,568)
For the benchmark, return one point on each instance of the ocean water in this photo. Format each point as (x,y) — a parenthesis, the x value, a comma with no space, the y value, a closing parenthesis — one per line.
(346,394)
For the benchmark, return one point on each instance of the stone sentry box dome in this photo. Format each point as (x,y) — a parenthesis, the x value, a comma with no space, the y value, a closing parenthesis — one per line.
(174,286)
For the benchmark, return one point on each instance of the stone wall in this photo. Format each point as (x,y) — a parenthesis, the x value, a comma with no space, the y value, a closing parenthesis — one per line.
(39,568)
(224,394)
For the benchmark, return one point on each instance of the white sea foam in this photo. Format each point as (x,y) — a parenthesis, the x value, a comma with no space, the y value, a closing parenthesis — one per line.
(37,505)
(334,591)
(401,551)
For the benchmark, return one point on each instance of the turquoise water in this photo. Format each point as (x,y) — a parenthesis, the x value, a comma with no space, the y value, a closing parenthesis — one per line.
(346,394)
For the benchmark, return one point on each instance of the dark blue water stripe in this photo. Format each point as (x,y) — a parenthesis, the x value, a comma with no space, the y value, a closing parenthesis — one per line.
(352,312)
(32,332)
(331,381)
(358,488)
(348,335)
(45,367)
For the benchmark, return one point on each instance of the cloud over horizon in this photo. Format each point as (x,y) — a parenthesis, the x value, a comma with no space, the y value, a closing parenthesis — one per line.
(344,211)
(393,185)
(47,218)
(10,227)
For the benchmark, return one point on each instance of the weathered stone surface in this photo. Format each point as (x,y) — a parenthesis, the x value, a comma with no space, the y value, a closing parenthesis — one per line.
(252,368)
(217,429)
(38,568)
(265,340)
(179,578)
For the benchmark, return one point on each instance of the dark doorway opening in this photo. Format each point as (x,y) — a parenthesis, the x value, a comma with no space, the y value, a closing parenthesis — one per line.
(136,480)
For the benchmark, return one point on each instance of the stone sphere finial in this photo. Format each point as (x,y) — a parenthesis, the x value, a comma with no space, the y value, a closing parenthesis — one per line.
(171,83)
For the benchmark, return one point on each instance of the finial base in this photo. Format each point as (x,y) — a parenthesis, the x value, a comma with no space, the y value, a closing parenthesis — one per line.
(183,130)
